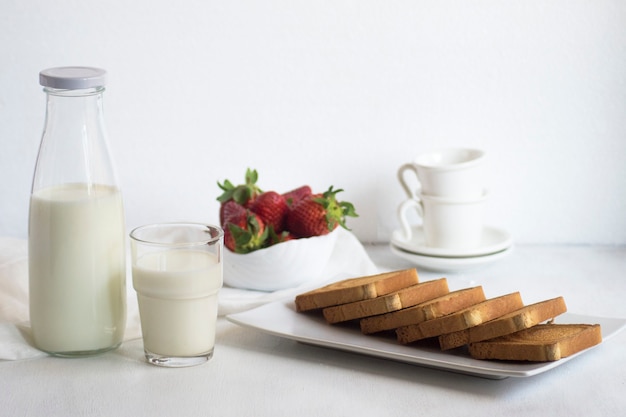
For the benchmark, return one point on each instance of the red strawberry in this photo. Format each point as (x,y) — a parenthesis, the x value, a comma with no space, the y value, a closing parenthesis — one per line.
(243,193)
(245,232)
(229,209)
(272,208)
(318,215)
(293,196)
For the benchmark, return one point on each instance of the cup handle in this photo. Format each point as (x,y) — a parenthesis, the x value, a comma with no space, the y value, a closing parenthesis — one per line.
(401,178)
(404,222)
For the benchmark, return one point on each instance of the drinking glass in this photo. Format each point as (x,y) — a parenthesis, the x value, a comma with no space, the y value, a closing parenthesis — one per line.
(177,274)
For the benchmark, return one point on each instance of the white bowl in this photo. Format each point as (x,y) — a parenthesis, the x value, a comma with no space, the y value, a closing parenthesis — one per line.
(284,265)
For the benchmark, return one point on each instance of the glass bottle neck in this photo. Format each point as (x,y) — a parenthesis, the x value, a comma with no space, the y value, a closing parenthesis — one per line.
(73,93)
(73,109)
(74,146)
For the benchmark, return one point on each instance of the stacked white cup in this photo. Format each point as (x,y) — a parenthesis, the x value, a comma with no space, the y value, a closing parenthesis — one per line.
(450,198)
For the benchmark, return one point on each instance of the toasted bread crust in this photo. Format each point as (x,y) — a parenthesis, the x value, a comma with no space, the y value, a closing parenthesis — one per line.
(470,316)
(427,291)
(398,300)
(428,309)
(356,289)
(521,319)
(540,343)
(515,321)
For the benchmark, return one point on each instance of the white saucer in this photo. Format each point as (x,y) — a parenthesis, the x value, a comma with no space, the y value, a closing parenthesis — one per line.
(446,264)
(493,240)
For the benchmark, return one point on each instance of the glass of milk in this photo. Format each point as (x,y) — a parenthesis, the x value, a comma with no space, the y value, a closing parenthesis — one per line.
(177,273)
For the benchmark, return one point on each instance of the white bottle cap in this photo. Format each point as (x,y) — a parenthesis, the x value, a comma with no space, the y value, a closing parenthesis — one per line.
(72,78)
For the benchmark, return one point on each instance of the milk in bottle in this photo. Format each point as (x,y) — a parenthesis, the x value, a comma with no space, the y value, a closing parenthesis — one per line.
(77,273)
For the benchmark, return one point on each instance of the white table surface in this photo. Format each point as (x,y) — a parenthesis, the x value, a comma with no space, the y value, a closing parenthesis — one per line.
(253,373)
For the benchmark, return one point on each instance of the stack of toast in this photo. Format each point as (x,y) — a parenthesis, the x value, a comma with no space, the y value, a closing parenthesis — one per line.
(501,328)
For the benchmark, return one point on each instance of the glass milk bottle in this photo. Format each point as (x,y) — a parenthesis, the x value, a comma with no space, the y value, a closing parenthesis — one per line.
(77,273)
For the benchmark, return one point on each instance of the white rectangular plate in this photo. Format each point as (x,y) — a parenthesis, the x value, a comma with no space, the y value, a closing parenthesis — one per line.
(281,319)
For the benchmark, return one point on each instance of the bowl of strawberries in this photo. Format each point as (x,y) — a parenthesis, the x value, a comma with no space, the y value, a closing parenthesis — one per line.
(275,240)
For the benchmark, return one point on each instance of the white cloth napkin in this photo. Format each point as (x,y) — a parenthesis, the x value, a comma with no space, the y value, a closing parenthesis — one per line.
(348,259)
(14,329)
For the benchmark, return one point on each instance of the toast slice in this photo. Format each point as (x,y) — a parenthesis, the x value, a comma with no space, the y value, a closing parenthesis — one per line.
(523,318)
(423,292)
(430,309)
(463,319)
(398,300)
(356,289)
(541,343)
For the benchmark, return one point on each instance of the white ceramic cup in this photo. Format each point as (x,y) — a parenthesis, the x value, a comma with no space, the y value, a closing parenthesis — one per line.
(447,223)
(449,173)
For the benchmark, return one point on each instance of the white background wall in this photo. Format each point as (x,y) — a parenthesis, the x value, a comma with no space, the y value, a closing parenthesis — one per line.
(336,92)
